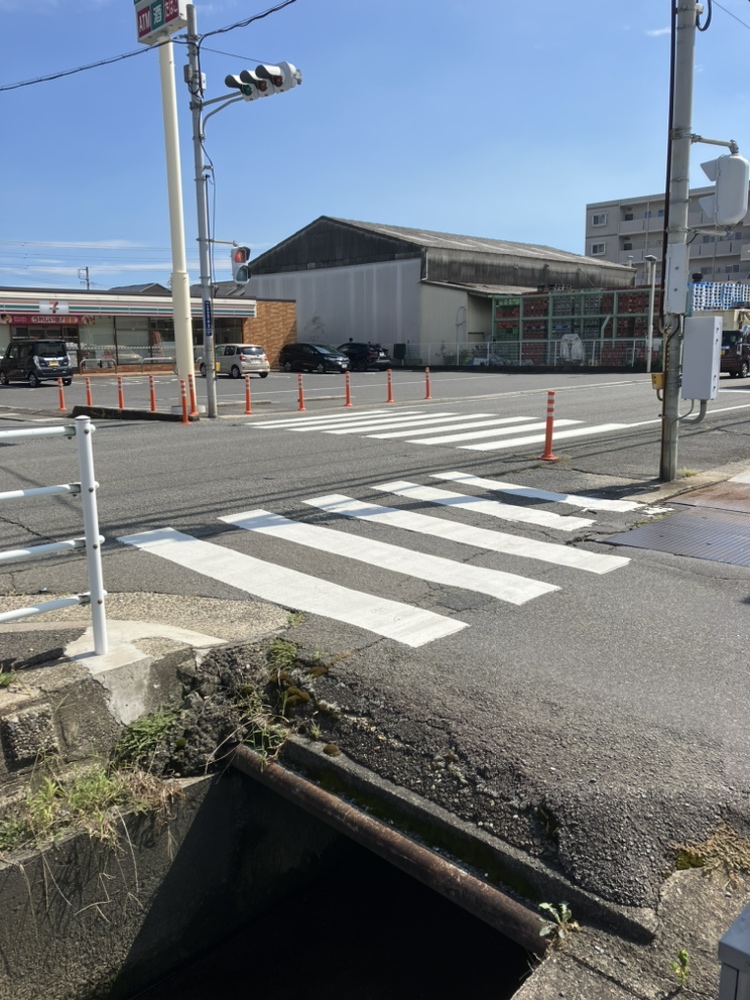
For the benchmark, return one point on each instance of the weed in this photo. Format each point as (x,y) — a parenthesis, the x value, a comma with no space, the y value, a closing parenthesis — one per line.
(724,850)
(687,473)
(89,799)
(313,731)
(281,655)
(140,741)
(6,677)
(561,923)
(681,966)
(296,618)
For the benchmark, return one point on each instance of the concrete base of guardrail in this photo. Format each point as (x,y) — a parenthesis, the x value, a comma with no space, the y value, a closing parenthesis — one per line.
(114,413)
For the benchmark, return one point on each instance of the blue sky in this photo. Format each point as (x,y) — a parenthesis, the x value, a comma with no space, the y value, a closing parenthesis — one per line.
(479,117)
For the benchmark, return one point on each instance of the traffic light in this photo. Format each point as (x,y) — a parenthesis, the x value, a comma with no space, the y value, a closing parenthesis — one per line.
(728,203)
(240,266)
(264,80)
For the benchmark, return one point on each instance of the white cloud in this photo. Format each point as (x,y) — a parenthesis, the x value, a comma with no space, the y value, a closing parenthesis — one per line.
(658,32)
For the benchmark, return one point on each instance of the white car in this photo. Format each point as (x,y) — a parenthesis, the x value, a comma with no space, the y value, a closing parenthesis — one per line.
(237,360)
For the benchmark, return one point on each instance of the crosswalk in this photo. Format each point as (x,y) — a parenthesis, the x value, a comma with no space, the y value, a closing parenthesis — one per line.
(391,551)
(466,431)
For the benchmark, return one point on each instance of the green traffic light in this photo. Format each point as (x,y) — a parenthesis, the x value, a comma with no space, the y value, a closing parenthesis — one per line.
(246,89)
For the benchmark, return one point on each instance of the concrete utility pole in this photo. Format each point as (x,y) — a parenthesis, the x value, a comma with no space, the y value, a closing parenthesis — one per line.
(195,84)
(183,326)
(676,281)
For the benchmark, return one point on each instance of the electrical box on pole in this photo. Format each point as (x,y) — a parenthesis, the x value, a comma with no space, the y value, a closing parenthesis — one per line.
(728,204)
(701,357)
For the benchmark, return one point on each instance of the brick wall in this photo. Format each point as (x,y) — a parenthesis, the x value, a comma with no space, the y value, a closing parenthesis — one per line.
(274,325)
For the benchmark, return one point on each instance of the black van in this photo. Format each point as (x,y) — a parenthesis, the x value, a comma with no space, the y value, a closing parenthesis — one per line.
(32,361)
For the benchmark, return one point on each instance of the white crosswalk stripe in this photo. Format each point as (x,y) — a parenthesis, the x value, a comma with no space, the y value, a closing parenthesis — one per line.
(466,534)
(522,442)
(492,508)
(467,431)
(504,586)
(588,503)
(298,591)
(404,623)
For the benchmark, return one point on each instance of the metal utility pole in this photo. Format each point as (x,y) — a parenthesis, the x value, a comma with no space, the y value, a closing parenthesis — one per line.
(195,84)
(83,275)
(676,281)
(651,261)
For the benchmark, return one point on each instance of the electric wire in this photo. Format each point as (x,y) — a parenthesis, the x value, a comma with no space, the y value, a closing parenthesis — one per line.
(138,52)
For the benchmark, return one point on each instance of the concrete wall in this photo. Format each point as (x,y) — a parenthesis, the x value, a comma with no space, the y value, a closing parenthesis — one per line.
(82,922)
(449,316)
(378,302)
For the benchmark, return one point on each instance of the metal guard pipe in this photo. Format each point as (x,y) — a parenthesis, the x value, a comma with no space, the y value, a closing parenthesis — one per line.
(472,894)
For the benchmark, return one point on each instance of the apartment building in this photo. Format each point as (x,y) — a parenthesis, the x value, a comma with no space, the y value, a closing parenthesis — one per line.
(626,231)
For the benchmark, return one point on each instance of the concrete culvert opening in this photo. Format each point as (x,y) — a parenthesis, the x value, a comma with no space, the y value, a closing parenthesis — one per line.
(360,929)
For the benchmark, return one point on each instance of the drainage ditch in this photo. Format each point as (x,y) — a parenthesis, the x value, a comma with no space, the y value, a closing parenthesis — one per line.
(361,929)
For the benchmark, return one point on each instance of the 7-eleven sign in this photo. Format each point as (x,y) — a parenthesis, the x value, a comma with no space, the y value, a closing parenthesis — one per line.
(54,307)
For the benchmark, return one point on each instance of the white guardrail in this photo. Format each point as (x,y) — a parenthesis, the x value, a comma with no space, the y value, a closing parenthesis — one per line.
(81,429)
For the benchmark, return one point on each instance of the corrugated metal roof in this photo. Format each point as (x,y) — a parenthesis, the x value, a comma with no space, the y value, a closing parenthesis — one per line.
(476,244)
(480,289)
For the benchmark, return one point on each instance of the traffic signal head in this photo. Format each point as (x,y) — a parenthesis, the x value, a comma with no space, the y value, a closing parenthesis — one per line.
(282,77)
(264,80)
(728,204)
(240,265)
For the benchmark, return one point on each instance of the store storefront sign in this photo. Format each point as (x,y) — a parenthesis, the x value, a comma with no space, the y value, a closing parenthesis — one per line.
(44,319)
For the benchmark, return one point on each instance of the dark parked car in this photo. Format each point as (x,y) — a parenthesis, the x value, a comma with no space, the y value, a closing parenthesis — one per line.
(32,361)
(363,356)
(735,353)
(312,358)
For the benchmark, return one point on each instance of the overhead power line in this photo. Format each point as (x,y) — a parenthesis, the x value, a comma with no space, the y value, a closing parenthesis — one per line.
(138,52)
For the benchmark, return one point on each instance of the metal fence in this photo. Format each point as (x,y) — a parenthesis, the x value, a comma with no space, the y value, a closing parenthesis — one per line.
(562,352)
(81,429)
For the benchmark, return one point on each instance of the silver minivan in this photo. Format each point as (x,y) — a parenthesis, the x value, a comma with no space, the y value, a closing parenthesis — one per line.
(237,360)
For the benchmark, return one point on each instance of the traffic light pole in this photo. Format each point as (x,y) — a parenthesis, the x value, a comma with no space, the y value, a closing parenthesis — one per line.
(196,107)
(676,278)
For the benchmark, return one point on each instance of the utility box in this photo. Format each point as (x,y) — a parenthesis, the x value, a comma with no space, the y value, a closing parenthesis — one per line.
(734,955)
(701,357)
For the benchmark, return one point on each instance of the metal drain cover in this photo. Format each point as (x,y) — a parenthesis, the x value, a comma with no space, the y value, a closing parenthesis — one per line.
(730,495)
(704,533)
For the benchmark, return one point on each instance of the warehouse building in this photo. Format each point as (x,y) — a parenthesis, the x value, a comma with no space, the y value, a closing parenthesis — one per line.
(423,295)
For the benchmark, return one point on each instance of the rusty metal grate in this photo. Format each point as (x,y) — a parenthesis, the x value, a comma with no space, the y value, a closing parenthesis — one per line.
(729,495)
(704,533)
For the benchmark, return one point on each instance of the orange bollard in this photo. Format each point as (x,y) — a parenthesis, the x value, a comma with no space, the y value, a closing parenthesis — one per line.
(301,393)
(548,456)
(427,393)
(120,393)
(184,402)
(152,393)
(89,401)
(193,398)
(248,407)
(390,386)
(348,400)
(61,396)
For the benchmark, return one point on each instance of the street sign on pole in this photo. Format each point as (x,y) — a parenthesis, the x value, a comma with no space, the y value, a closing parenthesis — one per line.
(208,327)
(156,19)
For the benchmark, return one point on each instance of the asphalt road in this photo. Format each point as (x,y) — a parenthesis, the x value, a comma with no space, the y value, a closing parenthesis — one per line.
(592,717)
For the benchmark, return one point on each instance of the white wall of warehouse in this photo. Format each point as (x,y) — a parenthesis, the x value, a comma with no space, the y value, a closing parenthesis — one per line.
(375,302)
